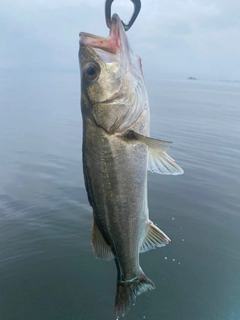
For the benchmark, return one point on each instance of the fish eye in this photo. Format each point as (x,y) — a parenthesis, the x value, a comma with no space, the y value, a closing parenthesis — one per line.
(91,71)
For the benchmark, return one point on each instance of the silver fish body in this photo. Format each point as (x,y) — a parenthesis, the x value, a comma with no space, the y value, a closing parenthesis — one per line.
(116,156)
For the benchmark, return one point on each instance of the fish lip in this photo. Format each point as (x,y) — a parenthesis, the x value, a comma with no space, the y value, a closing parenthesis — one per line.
(113,43)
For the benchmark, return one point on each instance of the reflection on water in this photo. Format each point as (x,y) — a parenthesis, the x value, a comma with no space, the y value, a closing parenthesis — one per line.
(47,268)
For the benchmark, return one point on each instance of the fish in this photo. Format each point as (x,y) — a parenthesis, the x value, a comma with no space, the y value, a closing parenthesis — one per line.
(117,152)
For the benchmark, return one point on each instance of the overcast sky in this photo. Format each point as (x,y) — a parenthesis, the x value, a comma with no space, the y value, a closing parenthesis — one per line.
(175,38)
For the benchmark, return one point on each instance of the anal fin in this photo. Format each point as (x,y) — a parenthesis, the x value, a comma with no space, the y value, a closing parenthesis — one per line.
(154,238)
(100,248)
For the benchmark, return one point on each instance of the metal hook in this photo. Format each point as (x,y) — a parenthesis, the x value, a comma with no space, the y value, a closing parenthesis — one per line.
(137,7)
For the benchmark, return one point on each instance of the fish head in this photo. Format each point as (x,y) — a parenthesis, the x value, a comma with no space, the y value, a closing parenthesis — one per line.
(112,85)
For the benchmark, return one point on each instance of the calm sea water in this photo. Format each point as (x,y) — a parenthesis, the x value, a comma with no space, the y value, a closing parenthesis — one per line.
(47,269)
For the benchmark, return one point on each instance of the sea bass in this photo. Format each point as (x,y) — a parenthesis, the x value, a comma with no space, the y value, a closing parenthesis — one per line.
(117,151)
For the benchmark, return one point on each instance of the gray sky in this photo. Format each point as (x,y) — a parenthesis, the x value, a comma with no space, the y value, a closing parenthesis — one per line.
(175,38)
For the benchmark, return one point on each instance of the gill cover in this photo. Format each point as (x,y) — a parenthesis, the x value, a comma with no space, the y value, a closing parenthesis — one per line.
(113,89)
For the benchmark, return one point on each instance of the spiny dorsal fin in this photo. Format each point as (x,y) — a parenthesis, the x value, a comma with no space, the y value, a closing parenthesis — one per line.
(158,160)
(100,248)
(154,238)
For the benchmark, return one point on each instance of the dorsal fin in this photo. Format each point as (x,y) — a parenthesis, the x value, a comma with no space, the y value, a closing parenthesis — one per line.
(100,248)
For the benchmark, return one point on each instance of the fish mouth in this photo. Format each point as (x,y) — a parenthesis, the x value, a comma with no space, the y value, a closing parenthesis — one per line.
(115,42)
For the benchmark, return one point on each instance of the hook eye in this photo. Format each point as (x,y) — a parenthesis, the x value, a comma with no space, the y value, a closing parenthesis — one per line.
(137,7)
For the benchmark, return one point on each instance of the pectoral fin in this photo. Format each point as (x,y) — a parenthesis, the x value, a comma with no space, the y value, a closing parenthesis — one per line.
(100,248)
(158,160)
(154,238)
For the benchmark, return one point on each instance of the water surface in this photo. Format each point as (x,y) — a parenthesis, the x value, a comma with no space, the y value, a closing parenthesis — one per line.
(47,267)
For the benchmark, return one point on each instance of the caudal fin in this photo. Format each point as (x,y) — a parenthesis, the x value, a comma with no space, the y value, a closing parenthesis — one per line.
(127,291)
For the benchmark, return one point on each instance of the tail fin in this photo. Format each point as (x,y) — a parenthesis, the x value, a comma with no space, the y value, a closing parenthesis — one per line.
(127,291)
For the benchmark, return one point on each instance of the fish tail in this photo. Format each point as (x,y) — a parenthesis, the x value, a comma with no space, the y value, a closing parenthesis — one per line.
(128,290)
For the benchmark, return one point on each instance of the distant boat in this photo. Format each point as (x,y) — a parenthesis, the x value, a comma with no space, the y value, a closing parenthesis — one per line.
(192,78)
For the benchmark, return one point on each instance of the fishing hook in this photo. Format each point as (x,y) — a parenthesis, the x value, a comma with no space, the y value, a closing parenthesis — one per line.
(137,7)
